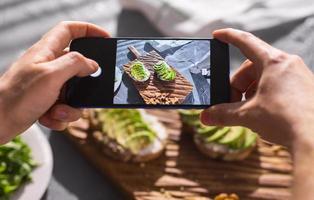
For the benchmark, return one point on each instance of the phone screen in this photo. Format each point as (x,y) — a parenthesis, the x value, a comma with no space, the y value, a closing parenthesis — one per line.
(139,72)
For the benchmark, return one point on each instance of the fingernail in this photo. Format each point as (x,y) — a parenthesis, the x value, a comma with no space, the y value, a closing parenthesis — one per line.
(206,119)
(94,64)
(62,115)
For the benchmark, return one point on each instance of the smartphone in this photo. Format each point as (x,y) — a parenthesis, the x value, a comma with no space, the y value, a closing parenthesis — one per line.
(151,73)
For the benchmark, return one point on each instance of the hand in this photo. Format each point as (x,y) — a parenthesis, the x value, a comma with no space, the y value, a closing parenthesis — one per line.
(278,88)
(30,89)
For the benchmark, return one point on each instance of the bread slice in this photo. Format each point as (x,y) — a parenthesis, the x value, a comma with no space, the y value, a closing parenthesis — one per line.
(214,141)
(112,148)
(219,151)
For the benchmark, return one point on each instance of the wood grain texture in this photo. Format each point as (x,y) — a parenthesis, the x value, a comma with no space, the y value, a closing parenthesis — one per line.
(182,172)
(155,91)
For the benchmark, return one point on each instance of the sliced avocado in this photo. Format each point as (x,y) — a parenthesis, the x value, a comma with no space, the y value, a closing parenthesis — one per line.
(139,134)
(250,138)
(162,73)
(138,141)
(138,71)
(234,133)
(191,112)
(168,75)
(158,67)
(191,117)
(172,75)
(206,129)
(218,134)
(238,143)
(127,127)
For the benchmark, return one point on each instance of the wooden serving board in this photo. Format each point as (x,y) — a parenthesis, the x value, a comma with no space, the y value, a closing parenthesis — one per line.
(183,173)
(155,91)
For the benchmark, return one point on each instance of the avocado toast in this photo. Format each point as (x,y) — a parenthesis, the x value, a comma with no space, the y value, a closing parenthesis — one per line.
(227,143)
(139,72)
(128,134)
(164,72)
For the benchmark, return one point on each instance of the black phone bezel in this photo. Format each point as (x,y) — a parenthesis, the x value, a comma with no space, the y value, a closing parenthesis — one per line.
(90,48)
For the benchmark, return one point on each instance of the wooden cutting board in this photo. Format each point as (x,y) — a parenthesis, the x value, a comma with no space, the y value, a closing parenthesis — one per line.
(183,173)
(155,91)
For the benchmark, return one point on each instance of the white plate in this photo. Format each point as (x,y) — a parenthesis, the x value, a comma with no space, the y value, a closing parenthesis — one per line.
(42,154)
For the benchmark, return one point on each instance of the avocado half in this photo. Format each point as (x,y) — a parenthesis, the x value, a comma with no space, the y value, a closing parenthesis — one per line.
(127,134)
(226,143)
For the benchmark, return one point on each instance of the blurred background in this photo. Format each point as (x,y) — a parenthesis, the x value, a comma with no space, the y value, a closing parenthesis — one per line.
(286,24)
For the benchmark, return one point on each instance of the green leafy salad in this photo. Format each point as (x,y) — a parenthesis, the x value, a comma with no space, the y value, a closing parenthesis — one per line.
(16,164)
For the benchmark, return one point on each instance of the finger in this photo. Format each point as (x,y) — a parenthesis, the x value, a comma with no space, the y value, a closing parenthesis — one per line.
(244,77)
(59,37)
(251,90)
(65,113)
(236,95)
(71,64)
(65,51)
(252,47)
(228,114)
(53,124)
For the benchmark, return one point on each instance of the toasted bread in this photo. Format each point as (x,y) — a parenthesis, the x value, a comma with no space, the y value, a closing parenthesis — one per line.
(219,151)
(112,148)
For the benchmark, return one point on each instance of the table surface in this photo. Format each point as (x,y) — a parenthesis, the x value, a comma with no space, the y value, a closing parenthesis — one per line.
(73,177)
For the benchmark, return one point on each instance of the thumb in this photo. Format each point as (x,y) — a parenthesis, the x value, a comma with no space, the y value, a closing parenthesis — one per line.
(72,64)
(228,114)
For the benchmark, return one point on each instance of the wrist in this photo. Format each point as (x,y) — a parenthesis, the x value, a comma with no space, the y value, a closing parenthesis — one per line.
(302,155)
(303,137)
(4,118)
(300,125)
(302,141)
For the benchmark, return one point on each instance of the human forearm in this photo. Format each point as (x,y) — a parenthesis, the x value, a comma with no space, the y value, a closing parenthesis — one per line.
(30,89)
(279,103)
(303,154)
(4,122)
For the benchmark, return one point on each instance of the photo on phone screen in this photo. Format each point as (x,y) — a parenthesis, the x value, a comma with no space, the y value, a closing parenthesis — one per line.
(149,72)
(162,72)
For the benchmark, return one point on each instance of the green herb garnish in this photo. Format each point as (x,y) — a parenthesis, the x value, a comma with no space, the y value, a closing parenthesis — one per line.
(16,164)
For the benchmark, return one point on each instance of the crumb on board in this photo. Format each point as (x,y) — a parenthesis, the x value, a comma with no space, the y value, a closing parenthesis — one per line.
(196,198)
(224,196)
(165,193)
(162,98)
